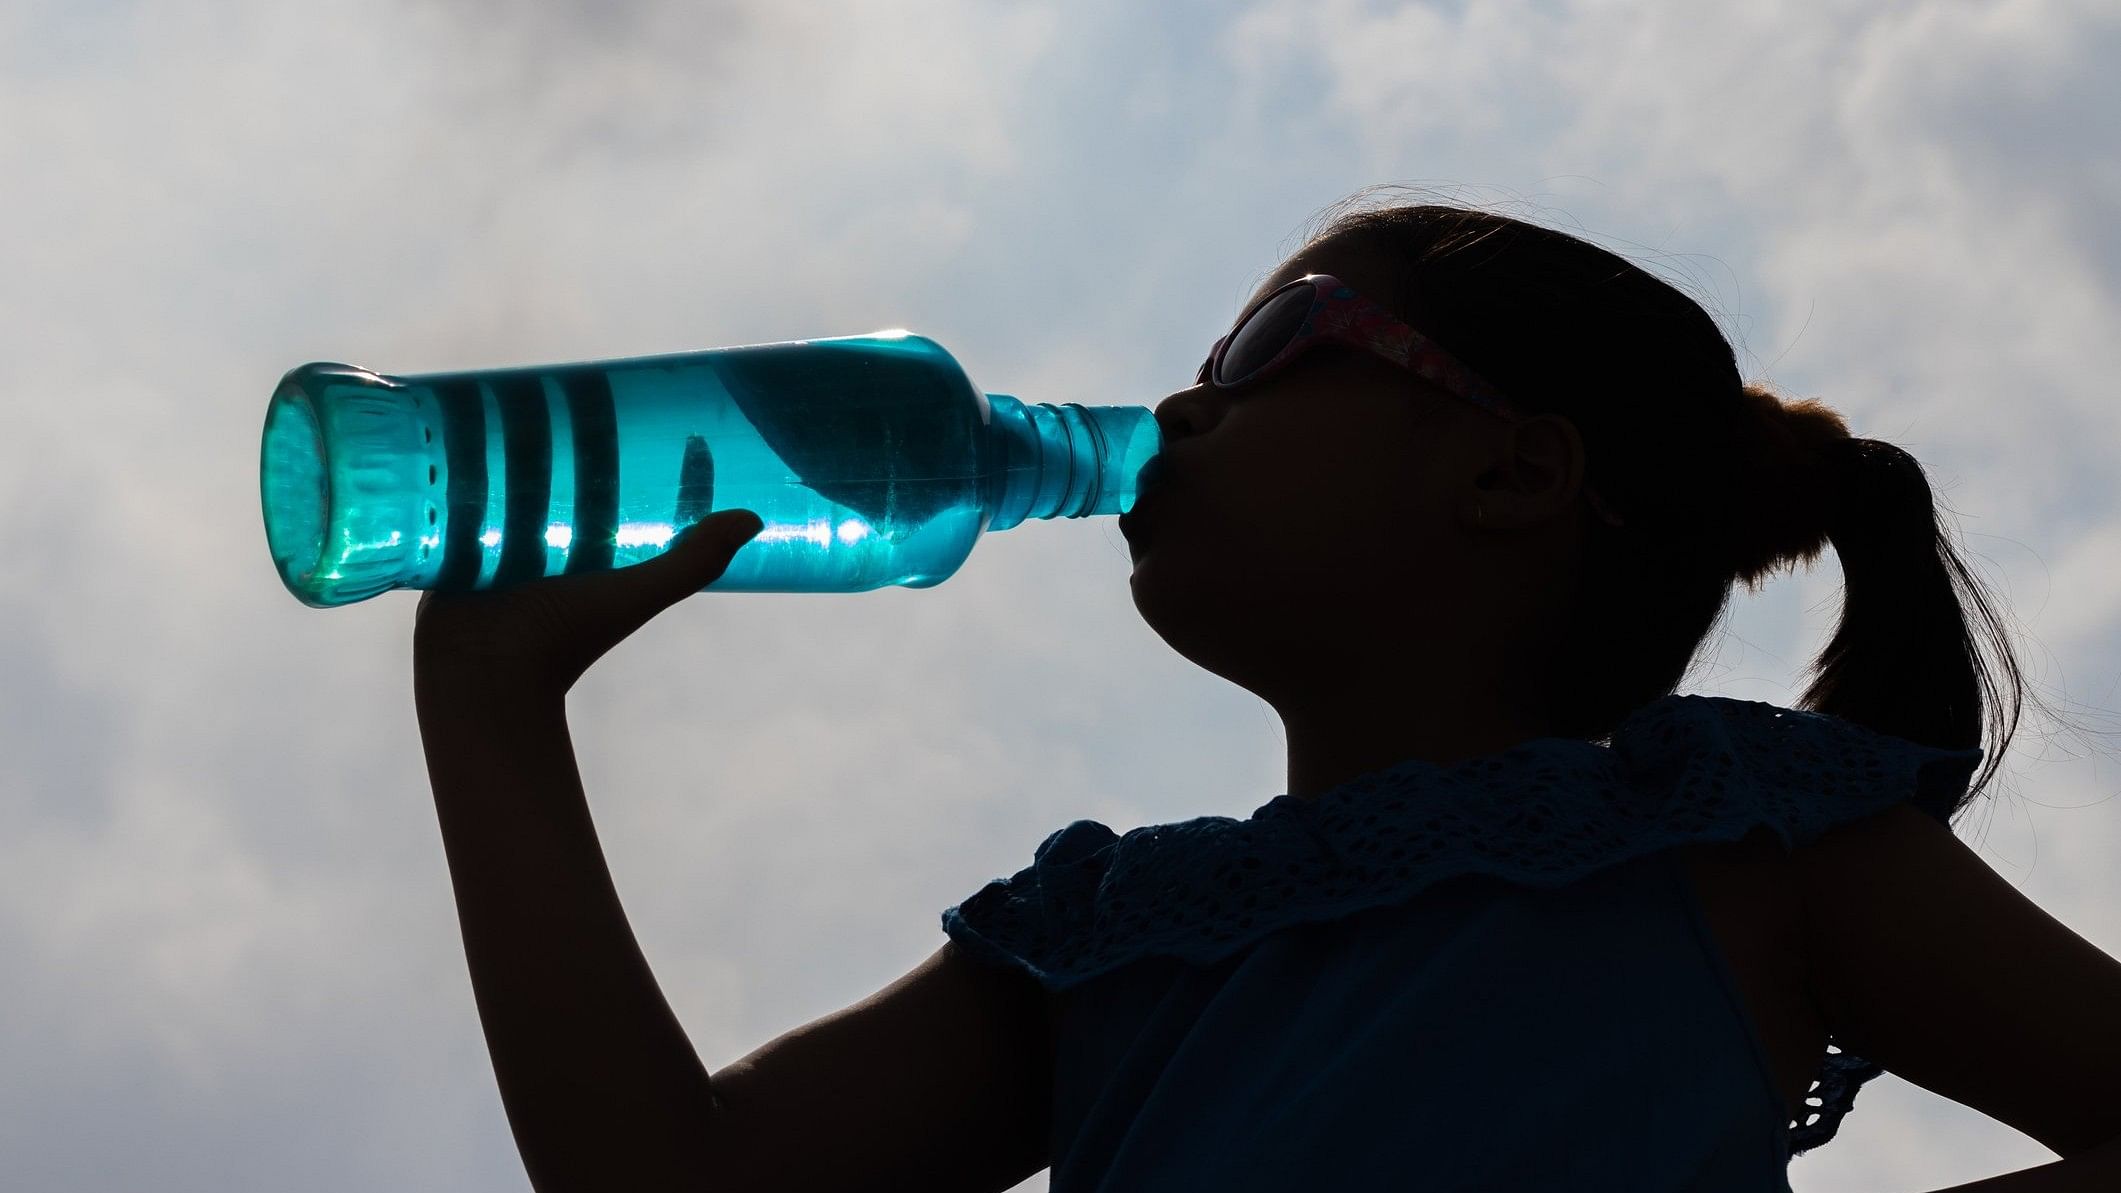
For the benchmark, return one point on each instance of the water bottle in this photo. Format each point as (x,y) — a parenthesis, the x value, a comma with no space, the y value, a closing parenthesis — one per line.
(873,460)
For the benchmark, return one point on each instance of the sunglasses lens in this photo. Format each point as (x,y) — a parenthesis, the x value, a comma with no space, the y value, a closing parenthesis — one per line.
(1265,333)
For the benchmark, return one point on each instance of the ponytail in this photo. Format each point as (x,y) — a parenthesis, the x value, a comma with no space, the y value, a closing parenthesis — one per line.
(1903,659)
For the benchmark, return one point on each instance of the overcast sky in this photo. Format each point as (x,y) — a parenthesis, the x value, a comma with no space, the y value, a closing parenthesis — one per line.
(232,953)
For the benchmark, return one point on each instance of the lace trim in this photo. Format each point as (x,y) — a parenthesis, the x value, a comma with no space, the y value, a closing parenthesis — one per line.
(1841,1074)
(1542,813)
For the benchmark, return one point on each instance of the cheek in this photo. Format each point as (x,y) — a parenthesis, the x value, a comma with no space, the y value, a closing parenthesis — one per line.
(1345,543)
(1245,561)
(1283,503)
(1322,516)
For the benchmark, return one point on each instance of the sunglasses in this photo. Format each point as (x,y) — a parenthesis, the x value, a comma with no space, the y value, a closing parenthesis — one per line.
(1320,308)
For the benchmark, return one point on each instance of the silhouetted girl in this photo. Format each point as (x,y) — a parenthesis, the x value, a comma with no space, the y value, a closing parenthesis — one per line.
(1460,497)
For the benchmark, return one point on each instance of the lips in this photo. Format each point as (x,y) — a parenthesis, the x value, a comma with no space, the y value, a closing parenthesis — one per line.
(1150,477)
(1150,480)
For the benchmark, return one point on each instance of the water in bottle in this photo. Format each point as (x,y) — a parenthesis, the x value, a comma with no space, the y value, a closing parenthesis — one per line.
(873,460)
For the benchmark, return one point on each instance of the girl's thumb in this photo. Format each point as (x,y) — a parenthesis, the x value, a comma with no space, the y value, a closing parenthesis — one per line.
(733,528)
(715,537)
(694,559)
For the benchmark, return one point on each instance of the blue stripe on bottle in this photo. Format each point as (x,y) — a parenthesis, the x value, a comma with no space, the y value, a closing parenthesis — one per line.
(595,421)
(526,440)
(464,437)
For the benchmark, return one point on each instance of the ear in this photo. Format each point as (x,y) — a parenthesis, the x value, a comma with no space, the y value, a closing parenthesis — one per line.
(1537,473)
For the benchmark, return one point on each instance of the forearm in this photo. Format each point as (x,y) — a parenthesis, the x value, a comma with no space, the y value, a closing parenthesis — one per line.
(2098,1169)
(601,1086)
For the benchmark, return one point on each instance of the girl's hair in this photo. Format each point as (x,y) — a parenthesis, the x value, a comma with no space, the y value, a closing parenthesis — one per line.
(1718,480)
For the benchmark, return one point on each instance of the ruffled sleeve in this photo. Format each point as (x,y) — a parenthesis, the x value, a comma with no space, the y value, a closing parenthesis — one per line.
(1545,813)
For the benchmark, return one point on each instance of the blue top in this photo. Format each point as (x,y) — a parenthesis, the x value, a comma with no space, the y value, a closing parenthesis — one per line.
(1487,975)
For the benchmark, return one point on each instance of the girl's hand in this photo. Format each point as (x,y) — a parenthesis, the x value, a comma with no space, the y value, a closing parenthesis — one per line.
(544,634)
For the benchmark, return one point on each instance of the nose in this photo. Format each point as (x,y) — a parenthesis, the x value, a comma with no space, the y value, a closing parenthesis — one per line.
(1187,413)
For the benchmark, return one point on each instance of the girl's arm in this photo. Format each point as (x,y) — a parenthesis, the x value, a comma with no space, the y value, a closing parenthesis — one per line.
(602,1088)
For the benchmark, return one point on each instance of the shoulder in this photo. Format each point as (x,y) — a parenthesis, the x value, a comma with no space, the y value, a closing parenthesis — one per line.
(1928,962)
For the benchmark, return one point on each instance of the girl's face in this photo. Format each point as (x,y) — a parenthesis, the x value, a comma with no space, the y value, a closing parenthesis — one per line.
(1316,527)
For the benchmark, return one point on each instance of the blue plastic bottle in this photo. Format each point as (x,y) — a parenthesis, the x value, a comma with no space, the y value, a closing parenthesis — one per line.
(873,460)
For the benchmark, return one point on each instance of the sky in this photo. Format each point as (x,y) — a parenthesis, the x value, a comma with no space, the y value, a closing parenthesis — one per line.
(233,958)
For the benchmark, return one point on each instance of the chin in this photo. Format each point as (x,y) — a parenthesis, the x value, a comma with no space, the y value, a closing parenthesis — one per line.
(1193,618)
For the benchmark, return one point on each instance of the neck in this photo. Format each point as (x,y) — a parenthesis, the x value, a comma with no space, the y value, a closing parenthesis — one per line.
(1330,745)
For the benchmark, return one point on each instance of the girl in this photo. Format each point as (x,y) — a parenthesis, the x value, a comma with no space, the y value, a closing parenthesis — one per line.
(1459,497)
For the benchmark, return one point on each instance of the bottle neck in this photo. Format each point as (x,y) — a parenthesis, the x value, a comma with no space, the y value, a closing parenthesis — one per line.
(1066,460)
